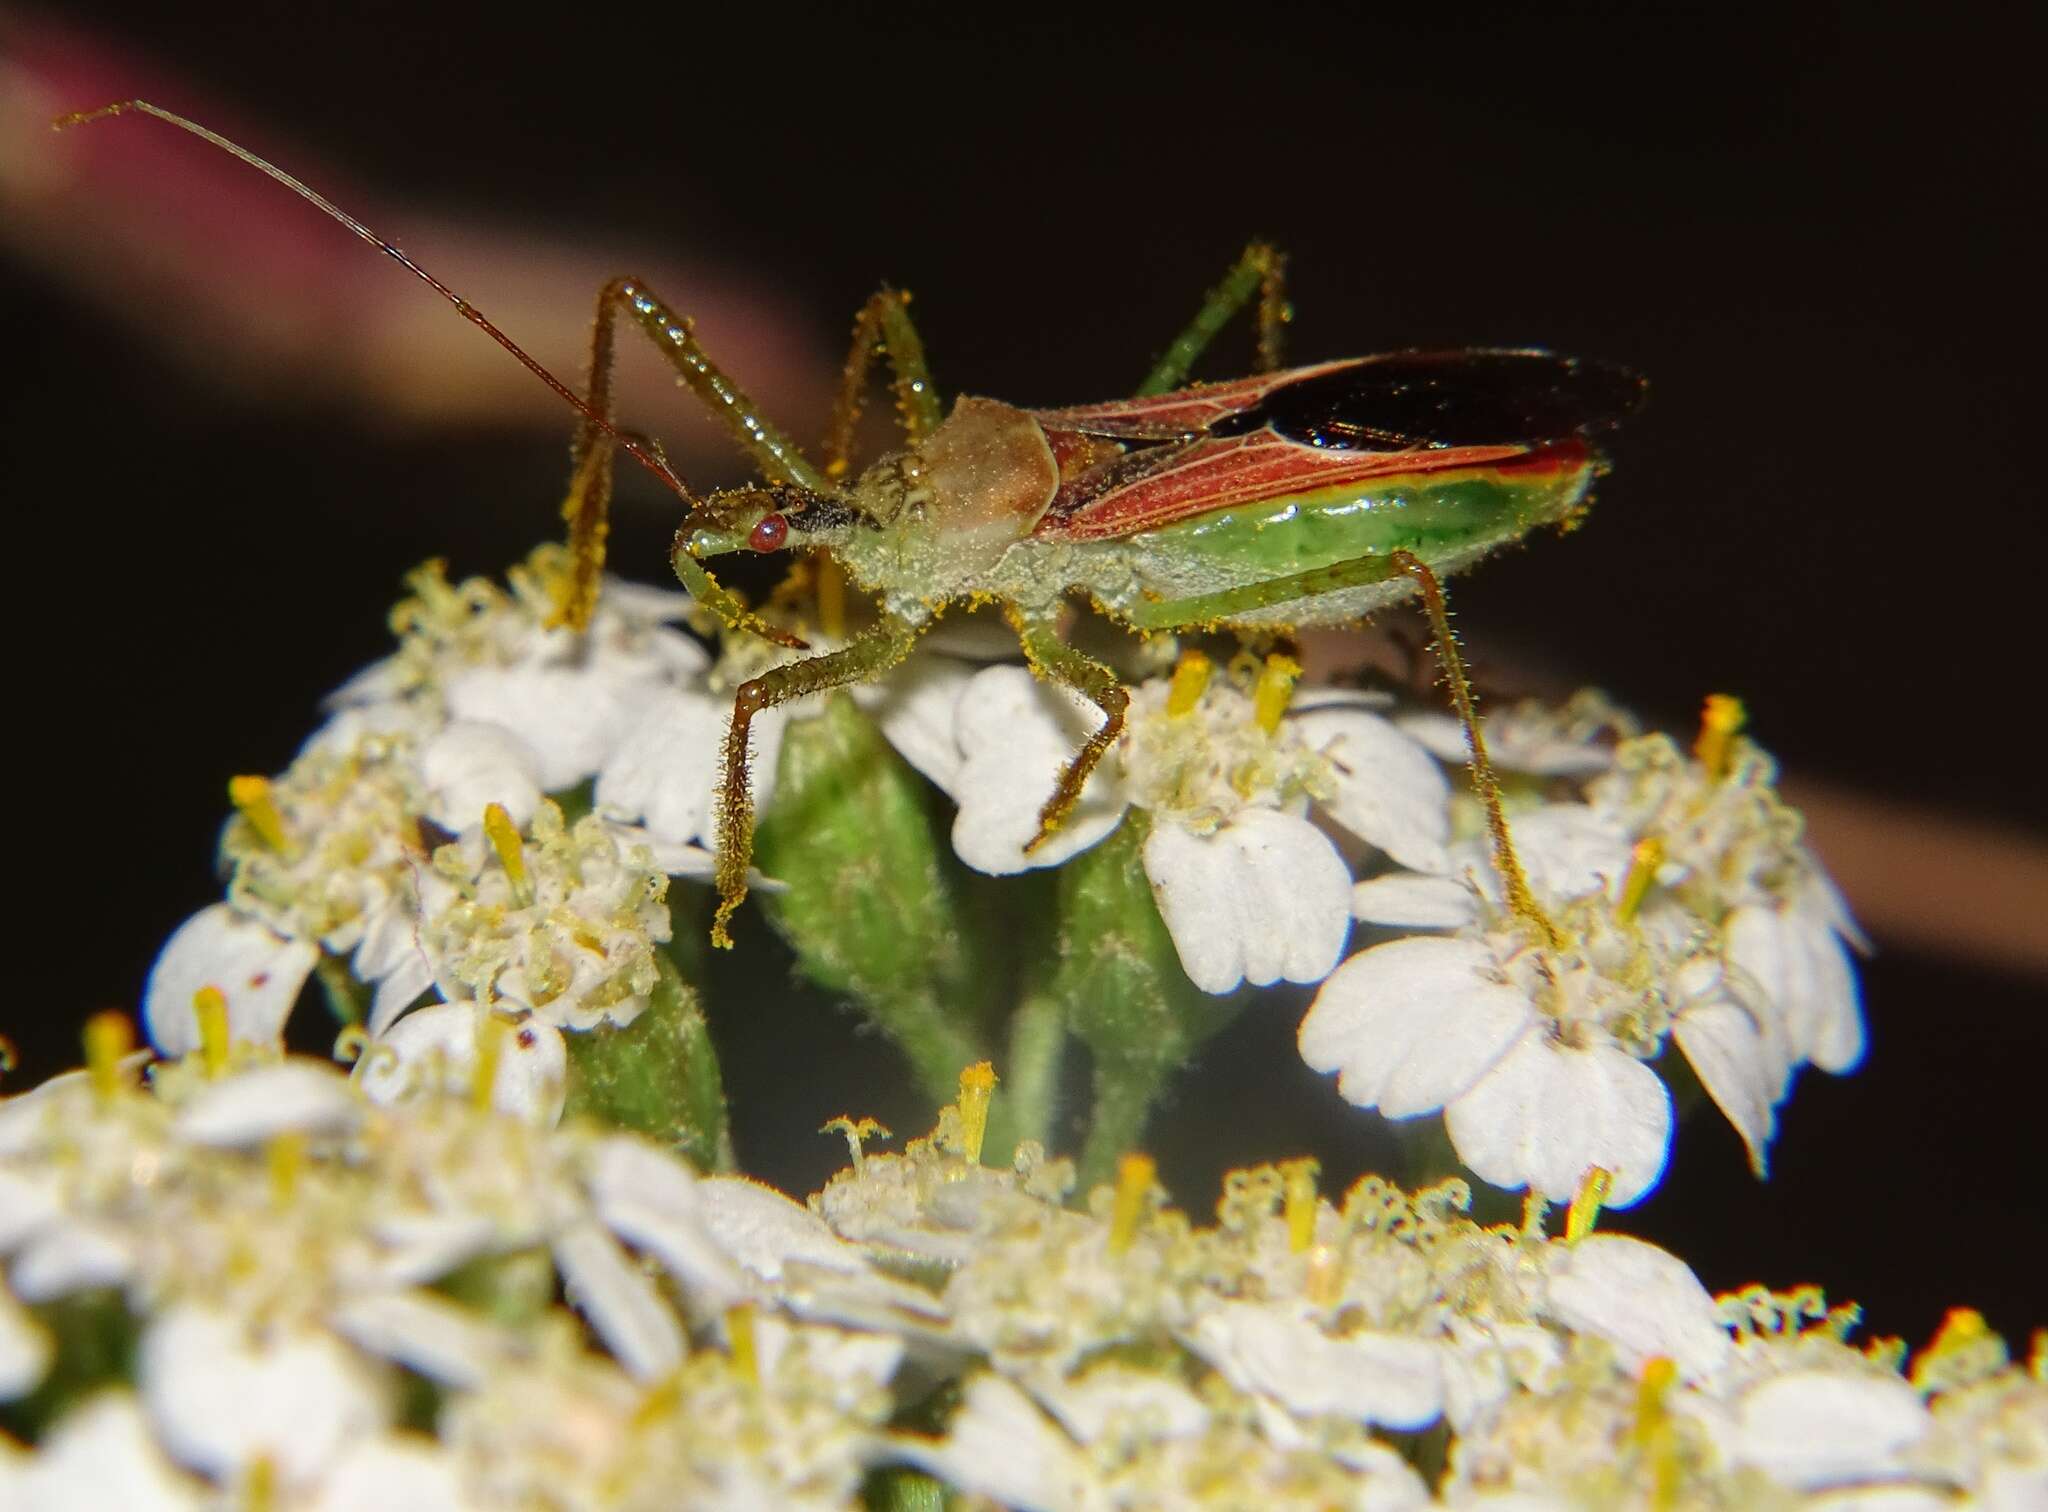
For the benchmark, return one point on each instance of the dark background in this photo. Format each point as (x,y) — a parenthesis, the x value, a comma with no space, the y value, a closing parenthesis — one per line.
(1798,222)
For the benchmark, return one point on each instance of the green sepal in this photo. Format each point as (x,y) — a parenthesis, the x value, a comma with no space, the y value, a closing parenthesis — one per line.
(1127,996)
(658,1075)
(871,901)
(347,999)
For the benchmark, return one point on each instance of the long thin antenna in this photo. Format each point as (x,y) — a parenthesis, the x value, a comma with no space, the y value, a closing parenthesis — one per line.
(644,455)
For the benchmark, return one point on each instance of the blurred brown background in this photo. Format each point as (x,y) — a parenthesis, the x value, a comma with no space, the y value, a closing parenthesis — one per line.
(229,428)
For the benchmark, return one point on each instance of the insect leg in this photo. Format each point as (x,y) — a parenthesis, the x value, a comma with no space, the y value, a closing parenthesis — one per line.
(587,506)
(1211,608)
(883,328)
(879,649)
(1262,270)
(1053,658)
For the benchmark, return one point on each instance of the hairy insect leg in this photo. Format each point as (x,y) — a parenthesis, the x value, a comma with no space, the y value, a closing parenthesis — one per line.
(874,653)
(1053,658)
(1262,270)
(1210,608)
(587,507)
(882,328)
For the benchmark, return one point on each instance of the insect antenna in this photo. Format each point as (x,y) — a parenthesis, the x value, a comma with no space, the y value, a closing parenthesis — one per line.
(1514,881)
(647,456)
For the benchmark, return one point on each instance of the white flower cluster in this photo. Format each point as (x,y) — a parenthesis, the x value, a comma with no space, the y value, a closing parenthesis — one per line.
(337,1304)
(1670,900)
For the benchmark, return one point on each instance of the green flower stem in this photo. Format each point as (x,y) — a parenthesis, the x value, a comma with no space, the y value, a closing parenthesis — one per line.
(871,901)
(1026,1101)
(659,1075)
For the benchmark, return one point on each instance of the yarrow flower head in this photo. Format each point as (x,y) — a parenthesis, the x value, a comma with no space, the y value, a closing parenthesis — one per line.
(1227,768)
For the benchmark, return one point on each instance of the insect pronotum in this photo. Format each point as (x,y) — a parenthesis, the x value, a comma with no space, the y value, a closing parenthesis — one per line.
(1291,498)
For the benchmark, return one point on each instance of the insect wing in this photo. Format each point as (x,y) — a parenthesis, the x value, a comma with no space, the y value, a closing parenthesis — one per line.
(1182,413)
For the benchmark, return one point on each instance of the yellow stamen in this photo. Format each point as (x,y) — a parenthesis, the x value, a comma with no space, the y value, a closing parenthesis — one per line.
(1325,1281)
(977,1087)
(1719,720)
(1587,1201)
(285,1157)
(857,1132)
(1274,690)
(1535,1206)
(1190,682)
(659,1400)
(210,1009)
(108,1038)
(1643,863)
(1963,1349)
(491,1033)
(259,1484)
(739,1333)
(1135,1174)
(504,837)
(257,803)
(1654,1432)
(1301,1203)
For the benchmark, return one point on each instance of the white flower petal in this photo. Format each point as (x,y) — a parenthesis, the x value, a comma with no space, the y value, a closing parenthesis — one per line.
(1000,1446)
(1802,965)
(393,1474)
(399,989)
(1413,900)
(623,1305)
(917,708)
(439,1339)
(655,1203)
(1389,791)
(28,1201)
(1112,1396)
(765,1231)
(70,1256)
(1265,898)
(1727,1054)
(101,1455)
(220,1394)
(292,1097)
(1569,850)
(468,766)
(1390,1379)
(1412,1024)
(1817,1428)
(434,1048)
(666,768)
(1016,735)
(24,1349)
(260,974)
(1643,1300)
(1547,1112)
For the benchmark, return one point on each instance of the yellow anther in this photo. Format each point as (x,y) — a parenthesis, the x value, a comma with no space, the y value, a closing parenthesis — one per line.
(1643,863)
(1535,1207)
(659,1400)
(1190,682)
(1963,1350)
(1324,1283)
(1655,1434)
(1719,720)
(255,799)
(977,1087)
(491,1033)
(857,1132)
(259,1484)
(1301,1203)
(1587,1201)
(108,1038)
(504,837)
(1135,1174)
(285,1158)
(210,1011)
(1274,691)
(739,1333)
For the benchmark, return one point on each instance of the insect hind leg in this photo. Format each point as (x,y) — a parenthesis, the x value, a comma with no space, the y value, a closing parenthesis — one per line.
(1261,270)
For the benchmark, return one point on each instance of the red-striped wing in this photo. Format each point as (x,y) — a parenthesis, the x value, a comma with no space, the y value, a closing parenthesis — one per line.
(1219,472)
(1184,412)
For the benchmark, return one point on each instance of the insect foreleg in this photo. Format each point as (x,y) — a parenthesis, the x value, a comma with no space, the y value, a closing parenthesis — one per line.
(883,327)
(587,507)
(1053,658)
(872,654)
(1262,270)
(1228,603)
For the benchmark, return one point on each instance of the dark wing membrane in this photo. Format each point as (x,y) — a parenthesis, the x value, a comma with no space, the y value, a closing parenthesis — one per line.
(1184,412)
(1217,472)
(1409,400)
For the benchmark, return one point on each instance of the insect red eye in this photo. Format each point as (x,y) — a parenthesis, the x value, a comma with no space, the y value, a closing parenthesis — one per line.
(770,533)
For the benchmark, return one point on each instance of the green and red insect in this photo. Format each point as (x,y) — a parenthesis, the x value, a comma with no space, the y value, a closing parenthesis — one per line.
(1304,497)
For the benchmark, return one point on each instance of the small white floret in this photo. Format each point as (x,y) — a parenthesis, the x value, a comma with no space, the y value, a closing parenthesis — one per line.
(257,971)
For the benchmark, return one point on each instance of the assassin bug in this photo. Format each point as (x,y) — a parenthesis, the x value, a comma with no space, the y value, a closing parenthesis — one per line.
(1292,498)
